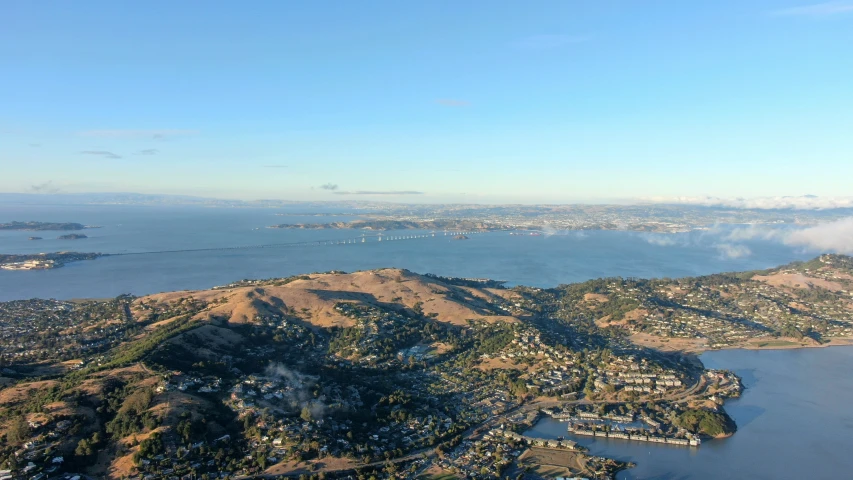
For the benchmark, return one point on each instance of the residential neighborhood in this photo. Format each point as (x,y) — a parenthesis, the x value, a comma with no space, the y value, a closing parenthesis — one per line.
(422,377)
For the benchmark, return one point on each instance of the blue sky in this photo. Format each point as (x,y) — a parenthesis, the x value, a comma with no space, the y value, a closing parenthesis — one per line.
(489,101)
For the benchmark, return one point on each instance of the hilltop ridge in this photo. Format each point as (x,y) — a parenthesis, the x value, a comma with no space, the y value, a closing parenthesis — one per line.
(313,298)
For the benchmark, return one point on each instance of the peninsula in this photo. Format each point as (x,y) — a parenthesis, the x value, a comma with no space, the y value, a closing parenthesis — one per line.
(390,373)
(43,261)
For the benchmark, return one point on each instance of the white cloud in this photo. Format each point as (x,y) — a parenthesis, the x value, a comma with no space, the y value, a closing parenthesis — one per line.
(755,232)
(731,250)
(804,202)
(102,153)
(659,239)
(833,237)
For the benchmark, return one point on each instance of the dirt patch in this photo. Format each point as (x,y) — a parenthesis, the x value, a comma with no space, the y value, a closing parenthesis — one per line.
(665,344)
(325,464)
(632,316)
(24,391)
(552,463)
(676,291)
(797,280)
(500,364)
(63,409)
(636,314)
(122,467)
(596,297)
(799,306)
(722,293)
(161,323)
(437,473)
(439,348)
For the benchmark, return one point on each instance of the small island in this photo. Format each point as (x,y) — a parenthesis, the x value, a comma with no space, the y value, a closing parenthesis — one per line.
(71,236)
(460,237)
(41,226)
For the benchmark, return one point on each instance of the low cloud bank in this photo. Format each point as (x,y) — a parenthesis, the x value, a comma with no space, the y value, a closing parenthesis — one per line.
(732,251)
(830,237)
(833,237)
(661,239)
(804,202)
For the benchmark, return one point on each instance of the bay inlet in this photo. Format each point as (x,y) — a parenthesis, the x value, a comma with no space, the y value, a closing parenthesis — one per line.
(794,421)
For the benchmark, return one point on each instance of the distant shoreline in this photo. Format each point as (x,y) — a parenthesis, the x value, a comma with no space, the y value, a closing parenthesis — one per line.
(33,226)
(386,224)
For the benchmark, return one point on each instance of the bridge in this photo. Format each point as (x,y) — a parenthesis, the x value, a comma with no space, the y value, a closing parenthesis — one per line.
(364,238)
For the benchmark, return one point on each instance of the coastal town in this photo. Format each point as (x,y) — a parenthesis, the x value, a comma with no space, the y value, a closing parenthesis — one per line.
(389,374)
(651,218)
(43,261)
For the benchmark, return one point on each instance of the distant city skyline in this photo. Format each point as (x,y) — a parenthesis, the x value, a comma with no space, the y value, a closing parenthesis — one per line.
(438,102)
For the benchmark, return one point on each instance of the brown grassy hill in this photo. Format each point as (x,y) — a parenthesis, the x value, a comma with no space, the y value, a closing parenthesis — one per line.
(313,299)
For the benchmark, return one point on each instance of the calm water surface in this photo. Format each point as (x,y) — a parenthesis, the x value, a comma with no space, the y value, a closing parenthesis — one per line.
(794,421)
(538,261)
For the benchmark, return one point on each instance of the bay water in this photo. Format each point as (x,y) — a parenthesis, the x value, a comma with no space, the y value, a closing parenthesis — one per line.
(200,251)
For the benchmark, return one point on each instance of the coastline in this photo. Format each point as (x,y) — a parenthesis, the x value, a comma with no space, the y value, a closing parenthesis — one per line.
(693,356)
(690,347)
(388,225)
